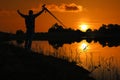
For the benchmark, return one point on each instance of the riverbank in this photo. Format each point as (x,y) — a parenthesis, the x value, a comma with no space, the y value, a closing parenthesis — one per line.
(16,63)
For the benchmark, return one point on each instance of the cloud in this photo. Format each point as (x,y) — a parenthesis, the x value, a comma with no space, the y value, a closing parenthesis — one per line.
(63,7)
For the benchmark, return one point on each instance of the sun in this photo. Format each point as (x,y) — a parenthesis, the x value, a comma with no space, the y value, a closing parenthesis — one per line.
(83,27)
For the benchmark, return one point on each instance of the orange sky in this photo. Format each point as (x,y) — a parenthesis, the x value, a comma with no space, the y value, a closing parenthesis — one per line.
(91,12)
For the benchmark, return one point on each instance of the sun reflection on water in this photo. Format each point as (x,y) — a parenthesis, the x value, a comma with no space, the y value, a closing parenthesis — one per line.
(84,46)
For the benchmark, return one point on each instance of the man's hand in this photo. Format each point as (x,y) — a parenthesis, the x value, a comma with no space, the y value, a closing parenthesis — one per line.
(43,7)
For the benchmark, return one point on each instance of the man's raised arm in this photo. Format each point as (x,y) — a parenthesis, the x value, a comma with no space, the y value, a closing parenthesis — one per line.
(20,13)
(37,14)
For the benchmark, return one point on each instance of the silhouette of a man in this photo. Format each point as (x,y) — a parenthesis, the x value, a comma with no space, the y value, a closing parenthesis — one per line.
(30,26)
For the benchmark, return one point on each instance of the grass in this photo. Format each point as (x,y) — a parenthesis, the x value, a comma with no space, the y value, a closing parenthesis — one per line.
(16,63)
(105,68)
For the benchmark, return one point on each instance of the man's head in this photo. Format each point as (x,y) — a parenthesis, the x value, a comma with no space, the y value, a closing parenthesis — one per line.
(30,12)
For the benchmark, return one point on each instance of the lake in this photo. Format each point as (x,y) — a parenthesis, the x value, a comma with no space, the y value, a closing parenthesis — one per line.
(101,61)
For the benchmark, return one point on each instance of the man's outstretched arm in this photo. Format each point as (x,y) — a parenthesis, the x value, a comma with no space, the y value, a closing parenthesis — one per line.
(20,13)
(37,14)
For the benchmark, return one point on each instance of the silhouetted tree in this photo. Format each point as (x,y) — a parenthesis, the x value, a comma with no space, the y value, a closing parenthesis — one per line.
(19,36)
(56,28)
(103,29)
(19,33)
(89,30)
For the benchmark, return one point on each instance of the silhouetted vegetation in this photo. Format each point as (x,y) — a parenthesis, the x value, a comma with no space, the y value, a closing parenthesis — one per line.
(106,35)
(20,36)
(60,33)
(4,36)
(105,31)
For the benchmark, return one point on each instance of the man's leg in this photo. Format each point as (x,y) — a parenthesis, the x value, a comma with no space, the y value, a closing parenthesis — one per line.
(26,43)
(30,37)
(29,44)
(26,40)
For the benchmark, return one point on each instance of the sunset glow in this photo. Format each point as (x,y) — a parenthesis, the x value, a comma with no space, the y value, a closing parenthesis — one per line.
(69,12)
(83,27)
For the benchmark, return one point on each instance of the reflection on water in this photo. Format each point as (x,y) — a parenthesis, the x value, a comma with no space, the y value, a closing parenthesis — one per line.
(84,46)
(103,62)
